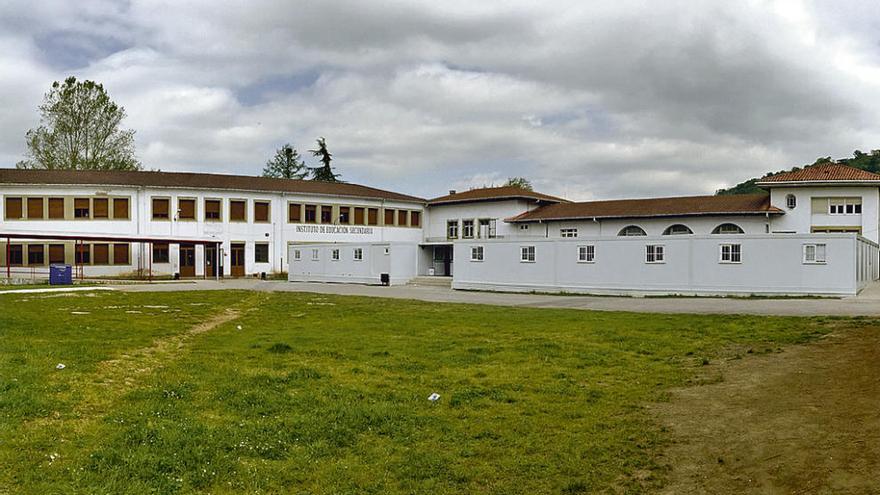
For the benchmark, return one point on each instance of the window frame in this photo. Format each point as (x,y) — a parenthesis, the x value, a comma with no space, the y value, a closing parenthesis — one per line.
(625,231)
(54,200)
(88,215)
(452,229)
(168,216)
(116,248)
(465,223)
(655,254)
(358,254)
(19,251)
(219,202)
(478,253)
(21,207)
(42,209)
(790,201)
(528,254)
(244,213)
(297,255)
(107,211)
(334,254)
(195,209)
(265,245)
(670,230)
(316,255)
(568,233)
(586,253)
(42,253)
(268,210)
(815,247)
(717,229)
(730,254)
(127,212)
(165,248)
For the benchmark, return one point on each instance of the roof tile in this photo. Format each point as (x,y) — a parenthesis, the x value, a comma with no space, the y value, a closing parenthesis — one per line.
(494,193)
(822,173)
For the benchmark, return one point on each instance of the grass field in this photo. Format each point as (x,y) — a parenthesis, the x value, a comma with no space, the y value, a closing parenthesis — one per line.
(221,392)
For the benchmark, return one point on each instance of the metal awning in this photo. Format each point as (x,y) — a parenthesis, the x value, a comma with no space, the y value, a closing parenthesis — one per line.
(68,236)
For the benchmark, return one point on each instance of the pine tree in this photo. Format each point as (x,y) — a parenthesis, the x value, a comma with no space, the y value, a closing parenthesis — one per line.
(325,171)
(286,164)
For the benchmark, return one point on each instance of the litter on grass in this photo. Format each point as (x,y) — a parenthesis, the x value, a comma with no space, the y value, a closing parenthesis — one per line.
(434,397)
(80,313)
(60,366)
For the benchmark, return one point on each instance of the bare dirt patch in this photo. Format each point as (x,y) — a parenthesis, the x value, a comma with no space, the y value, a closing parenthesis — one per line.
(806,420)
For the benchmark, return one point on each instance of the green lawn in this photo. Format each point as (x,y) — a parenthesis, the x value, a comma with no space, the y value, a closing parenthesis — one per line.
(324,394)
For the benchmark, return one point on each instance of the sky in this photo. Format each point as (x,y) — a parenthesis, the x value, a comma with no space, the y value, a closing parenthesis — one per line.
(589,100)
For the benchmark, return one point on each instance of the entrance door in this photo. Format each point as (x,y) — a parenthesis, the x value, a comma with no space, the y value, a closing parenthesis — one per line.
(236,254)
(443,261)
(187,260)
(211,261)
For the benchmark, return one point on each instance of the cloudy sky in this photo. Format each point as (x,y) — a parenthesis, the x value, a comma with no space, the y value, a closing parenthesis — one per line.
(588,99)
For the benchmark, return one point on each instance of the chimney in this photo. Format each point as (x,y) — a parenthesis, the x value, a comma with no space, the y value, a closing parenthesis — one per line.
(452,191)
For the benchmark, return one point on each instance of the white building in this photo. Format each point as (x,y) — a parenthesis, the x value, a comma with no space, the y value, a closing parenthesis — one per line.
(816,232)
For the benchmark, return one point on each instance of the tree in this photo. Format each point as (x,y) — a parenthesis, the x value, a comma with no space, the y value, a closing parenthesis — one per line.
(520,182)
(286,164)
(80,130)
(324,172)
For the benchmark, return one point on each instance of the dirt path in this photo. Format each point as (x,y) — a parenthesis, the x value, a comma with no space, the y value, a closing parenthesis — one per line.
(806,420)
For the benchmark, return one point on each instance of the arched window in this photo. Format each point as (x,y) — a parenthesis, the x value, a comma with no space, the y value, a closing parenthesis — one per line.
(728,228)
(790,201)
(631,230)
(677,229)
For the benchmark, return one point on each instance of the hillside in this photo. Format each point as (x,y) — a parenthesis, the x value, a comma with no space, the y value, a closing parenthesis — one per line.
(865,161)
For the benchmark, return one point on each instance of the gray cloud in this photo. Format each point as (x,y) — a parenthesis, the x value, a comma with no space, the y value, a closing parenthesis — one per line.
(589,99)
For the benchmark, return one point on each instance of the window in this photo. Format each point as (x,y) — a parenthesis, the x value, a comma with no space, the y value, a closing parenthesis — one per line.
(814,253)
(261,252)
(261,212)
(311,214)
(35,208)
(389,216)
(654,253)
(160,253)
(731,253)
(120,254)
(401,218)
(632,230)
(212,210)
(334,255)
(13,208)
(186,209)
(373,216)
(415,219)
(101,254)
(297,255)
(82,254)
(56,208)
(56,254)
(728,228)
(237,210)
(293,212)
(568,232)
(16,255)
(678,229)
(326,214)
(35,254)
(527,254)
(586,254)
(359,216)
(100,208)
(344,214)
(476,253)
(160,208)
(81,208)
(524,226)
(452,229)
(358,254)
(315,255)
(790,201)
(467,229)
(120,208)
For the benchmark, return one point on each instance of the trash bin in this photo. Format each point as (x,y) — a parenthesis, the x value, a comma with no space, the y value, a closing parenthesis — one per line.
(60,275)
(385,279)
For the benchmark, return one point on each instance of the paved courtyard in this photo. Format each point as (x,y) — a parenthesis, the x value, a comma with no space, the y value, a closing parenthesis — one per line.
(865,304)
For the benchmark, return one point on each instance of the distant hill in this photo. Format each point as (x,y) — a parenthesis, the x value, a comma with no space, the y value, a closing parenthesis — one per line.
(865,161)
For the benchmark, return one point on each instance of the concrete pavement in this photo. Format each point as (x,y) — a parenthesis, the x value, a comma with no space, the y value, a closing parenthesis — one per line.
(865,304)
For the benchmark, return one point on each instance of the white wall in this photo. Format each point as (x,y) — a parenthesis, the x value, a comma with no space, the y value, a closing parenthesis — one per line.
(700,225)
(800,219)
(770,265)
(499,210)
(399,260)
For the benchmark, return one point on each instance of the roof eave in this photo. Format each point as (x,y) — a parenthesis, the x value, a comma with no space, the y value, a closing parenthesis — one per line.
(661,215)
(494,198)
(793,183)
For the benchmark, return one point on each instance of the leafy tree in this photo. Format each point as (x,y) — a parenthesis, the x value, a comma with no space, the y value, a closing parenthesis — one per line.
(520,182)
(325,171)
(80,130)
(286,164)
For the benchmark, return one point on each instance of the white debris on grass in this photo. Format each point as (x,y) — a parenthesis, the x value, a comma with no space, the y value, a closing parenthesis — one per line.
(154,307)
(238,327)
(434,397)
(60,366)
(321,304)
(134,312)
(80,313)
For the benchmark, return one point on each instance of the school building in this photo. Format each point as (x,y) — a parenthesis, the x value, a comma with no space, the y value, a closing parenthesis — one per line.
(814,232)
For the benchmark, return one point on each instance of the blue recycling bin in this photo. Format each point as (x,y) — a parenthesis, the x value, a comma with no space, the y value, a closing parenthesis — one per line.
(60,275)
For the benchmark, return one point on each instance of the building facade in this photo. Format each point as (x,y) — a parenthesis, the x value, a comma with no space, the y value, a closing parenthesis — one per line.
(814,232)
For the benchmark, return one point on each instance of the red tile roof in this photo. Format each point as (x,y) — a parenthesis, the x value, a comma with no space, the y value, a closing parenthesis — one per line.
(829,172)
(736,204)
(195,181)
(493,194)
